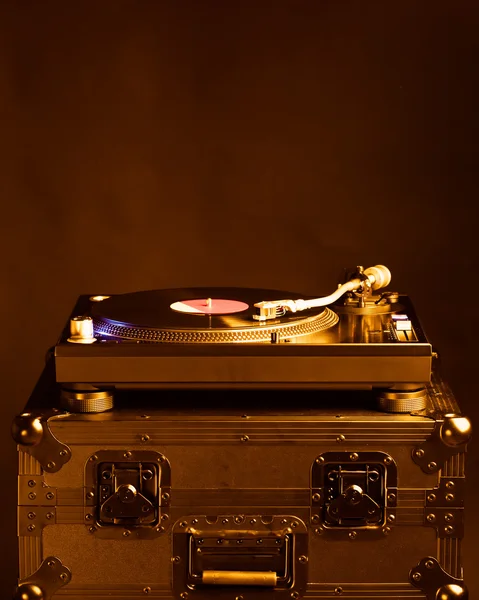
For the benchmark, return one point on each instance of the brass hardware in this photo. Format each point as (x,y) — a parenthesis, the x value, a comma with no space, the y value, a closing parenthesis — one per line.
(44,582)
(359,496)
(444,510)
(239,578)
(435,583)
(220,552)
(449,437)
(128,492)
(33,435)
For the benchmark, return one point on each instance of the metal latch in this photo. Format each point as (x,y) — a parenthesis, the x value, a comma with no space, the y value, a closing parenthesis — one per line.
(130,491)
(353,490)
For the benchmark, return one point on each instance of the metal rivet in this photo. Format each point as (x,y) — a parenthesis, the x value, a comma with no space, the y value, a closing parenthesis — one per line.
(391,518)
(354,456)
(341,438)
(431,498)
(316,497)
(49,515)
(32,483)
(220,541)
(449,529)
(51,563)
(449,517)
(239,598)
(93,458)
(177,559)
(319,460)
(260,541)
(31,527)
(244,438)
(391,497)
(146,590)
(126,533)
(303,559)
(294,524)
(283,521)
(419,453)
(194,521)
(417,576)
(127,454)
(183,524)
(319,530)
(184,595)
(165,517)
(51,465)
(449,497)
(253,521)
(432,465)
(63,452)
(49,495)
(145,437)
(450,485)
(431,517)
(239,519)
(386,530)
(429,564)
(31,515)
(160,529)
(63,576)
(165,497)
(32,495)
(338,591)
(92,529)
(224,521)
(90,495)
(294,595)
(352,535)
(388,460)
(201,541)
(315,519)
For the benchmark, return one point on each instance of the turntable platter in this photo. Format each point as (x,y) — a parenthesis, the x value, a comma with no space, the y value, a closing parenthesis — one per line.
(217,315)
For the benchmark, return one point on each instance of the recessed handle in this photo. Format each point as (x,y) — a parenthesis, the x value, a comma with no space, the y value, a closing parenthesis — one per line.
(263,578)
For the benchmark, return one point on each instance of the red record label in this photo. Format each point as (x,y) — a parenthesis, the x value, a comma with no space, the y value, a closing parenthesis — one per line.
(209,306)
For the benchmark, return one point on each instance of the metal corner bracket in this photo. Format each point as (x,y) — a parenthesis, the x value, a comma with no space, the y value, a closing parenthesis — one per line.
(33,435)
(432,580)
(50,576)
(449,437)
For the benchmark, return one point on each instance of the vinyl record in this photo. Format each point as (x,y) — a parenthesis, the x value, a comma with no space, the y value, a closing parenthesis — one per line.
(217,315)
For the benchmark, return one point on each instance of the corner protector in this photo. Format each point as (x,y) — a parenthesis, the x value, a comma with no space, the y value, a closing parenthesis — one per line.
(33,435)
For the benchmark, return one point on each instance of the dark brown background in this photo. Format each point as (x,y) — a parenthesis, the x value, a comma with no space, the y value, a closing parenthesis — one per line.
(250,143)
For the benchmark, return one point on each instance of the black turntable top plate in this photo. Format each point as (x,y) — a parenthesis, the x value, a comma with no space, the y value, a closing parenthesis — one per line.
(202,315)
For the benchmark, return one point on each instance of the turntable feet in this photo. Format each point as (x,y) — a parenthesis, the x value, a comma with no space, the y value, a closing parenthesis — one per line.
(401,400)
(86,401)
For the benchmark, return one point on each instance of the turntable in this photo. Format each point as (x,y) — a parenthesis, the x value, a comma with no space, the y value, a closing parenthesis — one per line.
(242,444)
(360,336)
